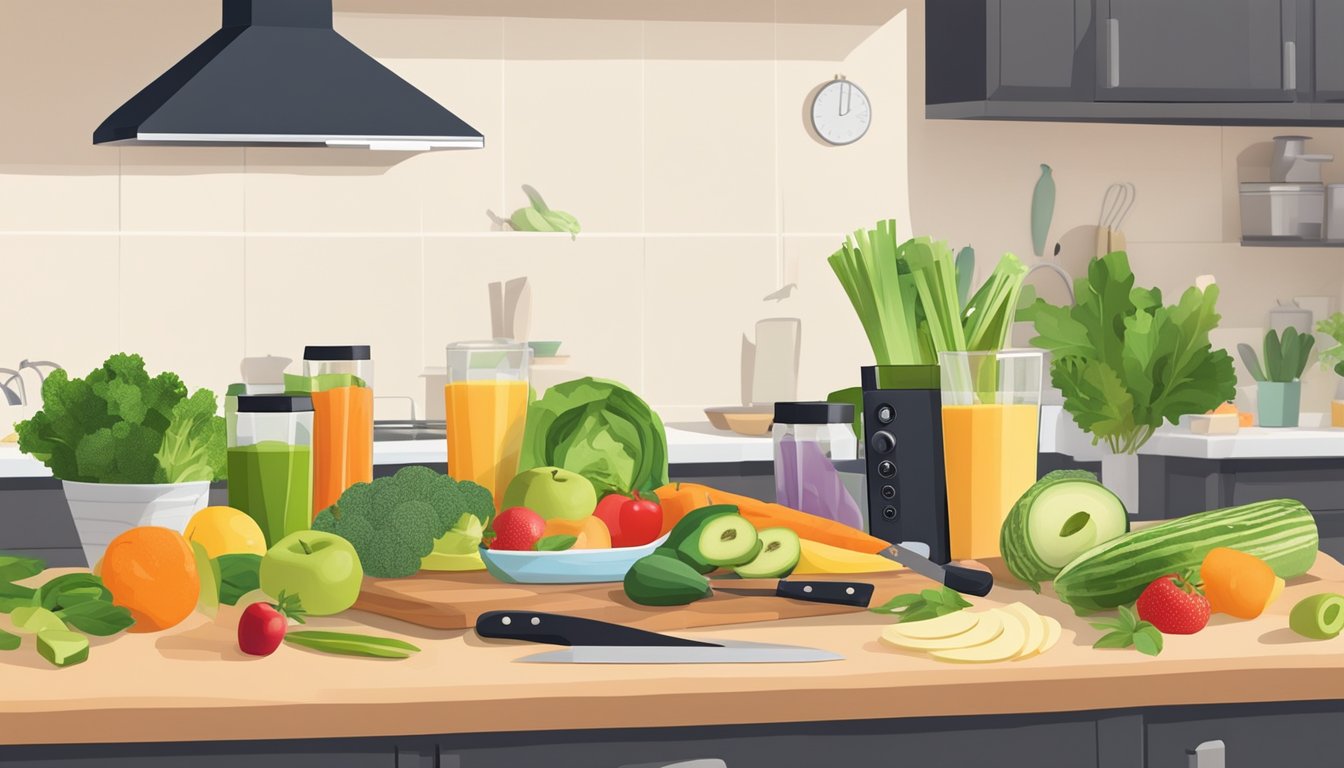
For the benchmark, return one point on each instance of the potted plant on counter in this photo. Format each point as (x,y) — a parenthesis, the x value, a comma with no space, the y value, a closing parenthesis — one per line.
(1279,383)
(1333,326)
(1126,363)
(128,449)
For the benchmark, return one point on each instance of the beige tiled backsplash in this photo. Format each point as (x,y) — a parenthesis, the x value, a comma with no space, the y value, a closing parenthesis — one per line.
(677,135)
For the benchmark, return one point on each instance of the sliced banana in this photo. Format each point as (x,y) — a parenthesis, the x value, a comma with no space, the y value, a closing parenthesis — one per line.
(1053,630)
(942,626)
(1002,648)
(1035,627)
(989,626)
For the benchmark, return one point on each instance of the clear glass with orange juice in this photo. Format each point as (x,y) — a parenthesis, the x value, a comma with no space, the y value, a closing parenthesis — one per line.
(991,430)
(341,382)
(485,404)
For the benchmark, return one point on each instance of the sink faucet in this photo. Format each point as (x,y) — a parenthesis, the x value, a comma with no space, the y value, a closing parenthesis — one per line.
(1292,164)
(12,396)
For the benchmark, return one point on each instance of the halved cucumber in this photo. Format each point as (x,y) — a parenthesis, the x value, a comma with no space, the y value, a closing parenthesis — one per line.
(1319,617)
(778,556)
(724,540)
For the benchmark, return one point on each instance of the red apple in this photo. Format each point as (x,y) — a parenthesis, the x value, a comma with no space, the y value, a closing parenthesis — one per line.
(517,528)
(641,522)
(609,511)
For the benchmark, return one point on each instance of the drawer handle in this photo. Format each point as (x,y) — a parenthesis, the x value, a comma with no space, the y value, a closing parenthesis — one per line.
(1112,53)
(1210,754)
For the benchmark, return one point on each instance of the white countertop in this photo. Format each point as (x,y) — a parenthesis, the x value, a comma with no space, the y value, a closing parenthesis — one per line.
(686,444)
(1249,443)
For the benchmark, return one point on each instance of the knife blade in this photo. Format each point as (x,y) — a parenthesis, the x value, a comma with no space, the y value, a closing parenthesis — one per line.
(967,581)
(852,593)
(600,642)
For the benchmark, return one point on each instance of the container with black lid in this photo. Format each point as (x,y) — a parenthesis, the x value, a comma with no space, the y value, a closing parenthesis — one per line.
(341,381)
(352,360)
(813,440)
(270,449)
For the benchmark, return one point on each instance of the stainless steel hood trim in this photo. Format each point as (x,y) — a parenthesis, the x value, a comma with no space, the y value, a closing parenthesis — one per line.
(370,142)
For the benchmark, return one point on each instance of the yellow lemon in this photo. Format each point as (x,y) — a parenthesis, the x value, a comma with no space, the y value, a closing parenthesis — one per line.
(226,531)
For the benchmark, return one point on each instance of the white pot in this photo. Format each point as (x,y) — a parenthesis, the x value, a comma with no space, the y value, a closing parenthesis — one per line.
(1120,473)
(104,510)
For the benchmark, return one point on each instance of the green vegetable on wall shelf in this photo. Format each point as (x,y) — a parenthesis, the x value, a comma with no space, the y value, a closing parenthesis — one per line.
(1125,362)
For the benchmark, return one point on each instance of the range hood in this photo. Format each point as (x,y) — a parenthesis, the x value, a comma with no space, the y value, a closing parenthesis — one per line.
(277,73)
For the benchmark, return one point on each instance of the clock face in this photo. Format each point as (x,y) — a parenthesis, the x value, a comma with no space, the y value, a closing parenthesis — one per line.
(841,113)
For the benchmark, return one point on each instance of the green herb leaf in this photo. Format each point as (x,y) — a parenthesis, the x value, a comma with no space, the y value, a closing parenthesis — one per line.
(9,642)
(15,568)
(70,589)
(899,601)
(238,575)
(557,543)
(97,618)
(1114,640)
(927,604)
(14,596)
(1148,640)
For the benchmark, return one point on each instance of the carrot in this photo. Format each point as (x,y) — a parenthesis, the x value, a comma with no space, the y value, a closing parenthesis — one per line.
(685,497)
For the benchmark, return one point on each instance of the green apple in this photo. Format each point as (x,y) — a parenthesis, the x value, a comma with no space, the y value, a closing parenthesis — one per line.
(322,569)
(552,493)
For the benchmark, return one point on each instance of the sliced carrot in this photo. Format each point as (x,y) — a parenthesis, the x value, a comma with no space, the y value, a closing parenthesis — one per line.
(766,515)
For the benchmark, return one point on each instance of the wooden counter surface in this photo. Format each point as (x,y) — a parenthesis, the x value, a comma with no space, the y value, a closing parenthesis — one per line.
(191,683)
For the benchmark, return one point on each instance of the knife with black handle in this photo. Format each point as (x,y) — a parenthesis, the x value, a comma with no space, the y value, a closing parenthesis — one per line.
(854,593)
(557,629)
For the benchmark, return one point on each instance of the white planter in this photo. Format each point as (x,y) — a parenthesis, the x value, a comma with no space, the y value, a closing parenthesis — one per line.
(103,510)
(1120,473)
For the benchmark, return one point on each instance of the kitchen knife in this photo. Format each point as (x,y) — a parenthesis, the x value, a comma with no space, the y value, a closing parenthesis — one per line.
(964,580)
(852,593)
(599,642)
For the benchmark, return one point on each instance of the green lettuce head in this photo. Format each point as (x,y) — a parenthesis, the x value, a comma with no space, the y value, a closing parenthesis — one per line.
(599,429)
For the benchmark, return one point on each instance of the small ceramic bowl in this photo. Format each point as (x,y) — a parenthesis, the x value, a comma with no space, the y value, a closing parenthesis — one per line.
(572,566)
(753,421)
(545,348)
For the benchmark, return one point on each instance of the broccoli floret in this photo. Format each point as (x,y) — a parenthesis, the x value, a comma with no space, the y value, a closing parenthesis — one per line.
(393,521)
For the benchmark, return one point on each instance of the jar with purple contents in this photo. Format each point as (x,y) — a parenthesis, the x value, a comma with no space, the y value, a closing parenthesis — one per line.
(812,442)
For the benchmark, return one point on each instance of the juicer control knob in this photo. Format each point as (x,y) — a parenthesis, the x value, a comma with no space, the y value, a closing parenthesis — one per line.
(886,469)
(885,414)
(884,442)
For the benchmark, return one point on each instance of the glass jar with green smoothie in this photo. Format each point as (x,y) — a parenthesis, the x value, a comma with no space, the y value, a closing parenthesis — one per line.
(271,462)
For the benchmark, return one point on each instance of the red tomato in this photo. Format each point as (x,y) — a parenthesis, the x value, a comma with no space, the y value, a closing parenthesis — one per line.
(261,629)
(641,522)
(609,511)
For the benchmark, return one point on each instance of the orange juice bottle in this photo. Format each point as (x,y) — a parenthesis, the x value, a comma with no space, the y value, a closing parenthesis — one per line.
(485,405)
(341,379)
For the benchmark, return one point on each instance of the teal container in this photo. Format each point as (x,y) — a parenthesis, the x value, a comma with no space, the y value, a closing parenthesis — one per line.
(1278,403)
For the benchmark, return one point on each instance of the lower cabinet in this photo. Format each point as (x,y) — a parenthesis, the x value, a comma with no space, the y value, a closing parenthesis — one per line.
(1288,735)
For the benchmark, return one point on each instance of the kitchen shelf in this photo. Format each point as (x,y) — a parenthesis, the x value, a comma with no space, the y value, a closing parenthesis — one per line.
(1292,243)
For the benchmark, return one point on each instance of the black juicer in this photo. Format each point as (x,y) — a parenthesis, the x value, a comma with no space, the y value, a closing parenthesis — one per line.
(903,438)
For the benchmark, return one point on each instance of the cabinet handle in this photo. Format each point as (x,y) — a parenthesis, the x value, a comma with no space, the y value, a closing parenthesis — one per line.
(1112,53)
(1210,754)
(1289,66)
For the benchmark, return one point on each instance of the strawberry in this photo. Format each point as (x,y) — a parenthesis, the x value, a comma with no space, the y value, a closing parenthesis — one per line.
(1174,606)
(517,528)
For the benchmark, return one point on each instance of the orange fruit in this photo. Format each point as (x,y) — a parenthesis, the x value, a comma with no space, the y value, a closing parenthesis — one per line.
(591,532)
(151,571)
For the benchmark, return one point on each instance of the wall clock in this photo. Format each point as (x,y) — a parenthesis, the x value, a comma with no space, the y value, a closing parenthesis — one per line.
(841,112)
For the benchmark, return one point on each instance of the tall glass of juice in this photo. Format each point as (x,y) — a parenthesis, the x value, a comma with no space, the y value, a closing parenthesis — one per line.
(270,461)
(485,403)
(340,379)
(991,430)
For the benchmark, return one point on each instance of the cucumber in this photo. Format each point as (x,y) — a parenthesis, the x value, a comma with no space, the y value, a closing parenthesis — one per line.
(778,555)
(662,580)
(62,647)
(1063,515)
(1281,532)
(691,527)
(1319,617)
(723,540)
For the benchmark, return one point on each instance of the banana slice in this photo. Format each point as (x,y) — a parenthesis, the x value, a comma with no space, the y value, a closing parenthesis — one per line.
(942,626)
(1002,648)
(1035,627)
(987,628)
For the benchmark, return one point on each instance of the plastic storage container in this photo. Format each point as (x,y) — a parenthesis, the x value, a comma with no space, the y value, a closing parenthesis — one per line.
(812,443)
(270,445)
(341,383)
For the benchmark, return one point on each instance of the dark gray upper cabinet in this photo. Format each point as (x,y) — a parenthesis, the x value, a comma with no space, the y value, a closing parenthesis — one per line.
(1219,62)
(1197,50)
(1010,50)
(1328,34)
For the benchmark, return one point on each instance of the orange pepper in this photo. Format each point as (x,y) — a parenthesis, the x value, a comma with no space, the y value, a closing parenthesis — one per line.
(1238,584)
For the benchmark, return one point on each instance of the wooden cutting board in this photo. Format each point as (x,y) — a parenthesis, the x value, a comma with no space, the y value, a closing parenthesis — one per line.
(454,600)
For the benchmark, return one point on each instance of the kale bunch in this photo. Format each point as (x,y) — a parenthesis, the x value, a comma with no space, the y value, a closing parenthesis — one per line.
(393,521)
